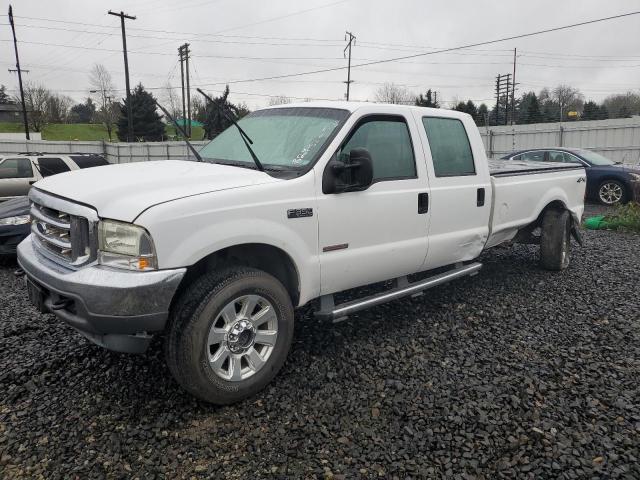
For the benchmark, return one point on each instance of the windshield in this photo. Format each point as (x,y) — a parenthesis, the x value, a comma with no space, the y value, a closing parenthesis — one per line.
(289,138)
(595,158)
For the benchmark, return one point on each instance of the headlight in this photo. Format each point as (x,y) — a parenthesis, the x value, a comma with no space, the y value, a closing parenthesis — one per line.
(17,220)
(635,176)
(124,245)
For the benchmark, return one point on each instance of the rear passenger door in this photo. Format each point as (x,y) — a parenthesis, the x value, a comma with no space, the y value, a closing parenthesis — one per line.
(16,177)
(460,187)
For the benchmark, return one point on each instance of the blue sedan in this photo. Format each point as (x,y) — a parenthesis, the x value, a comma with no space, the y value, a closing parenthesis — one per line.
(608,182)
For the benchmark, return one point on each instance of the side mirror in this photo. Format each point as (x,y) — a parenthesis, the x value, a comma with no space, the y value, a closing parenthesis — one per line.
(351,174)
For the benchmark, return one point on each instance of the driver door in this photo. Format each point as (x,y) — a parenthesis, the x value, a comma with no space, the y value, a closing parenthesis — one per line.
(381,232)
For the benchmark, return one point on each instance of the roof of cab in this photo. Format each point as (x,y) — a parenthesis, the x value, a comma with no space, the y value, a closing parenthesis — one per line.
(353,106)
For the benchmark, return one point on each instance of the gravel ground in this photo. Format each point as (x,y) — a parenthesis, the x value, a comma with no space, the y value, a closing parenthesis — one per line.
(517,372)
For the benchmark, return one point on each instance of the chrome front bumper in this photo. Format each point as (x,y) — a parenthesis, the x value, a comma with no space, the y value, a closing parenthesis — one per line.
(115,309)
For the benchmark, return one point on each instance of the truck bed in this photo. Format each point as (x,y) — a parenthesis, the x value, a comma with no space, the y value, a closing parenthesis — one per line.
(521,190)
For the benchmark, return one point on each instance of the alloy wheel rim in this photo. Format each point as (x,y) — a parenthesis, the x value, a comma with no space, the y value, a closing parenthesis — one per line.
(242,337)
(610,193)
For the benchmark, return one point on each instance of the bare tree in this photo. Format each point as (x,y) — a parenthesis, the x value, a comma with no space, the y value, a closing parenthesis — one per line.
(619,104)
(392,93)
(280,100)
(58,108)
(36,99)
(567,97)
(173,102)
(102,86)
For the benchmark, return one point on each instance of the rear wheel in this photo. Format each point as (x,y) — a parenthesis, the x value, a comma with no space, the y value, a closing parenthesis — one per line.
(230,334)
(555,239)
(612,192)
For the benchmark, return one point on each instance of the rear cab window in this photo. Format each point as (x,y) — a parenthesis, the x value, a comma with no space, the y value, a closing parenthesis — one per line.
(450,148)
(16,168)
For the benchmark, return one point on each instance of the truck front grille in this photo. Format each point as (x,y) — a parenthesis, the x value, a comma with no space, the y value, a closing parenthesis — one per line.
(62,234)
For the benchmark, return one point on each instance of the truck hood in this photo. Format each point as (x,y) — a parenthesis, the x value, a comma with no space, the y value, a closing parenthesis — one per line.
(122,192)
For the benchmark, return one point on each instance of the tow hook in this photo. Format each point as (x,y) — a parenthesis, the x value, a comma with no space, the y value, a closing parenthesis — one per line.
(18,272)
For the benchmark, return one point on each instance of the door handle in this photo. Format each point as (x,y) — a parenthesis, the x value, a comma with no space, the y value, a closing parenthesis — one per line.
(480,197)
(423,203)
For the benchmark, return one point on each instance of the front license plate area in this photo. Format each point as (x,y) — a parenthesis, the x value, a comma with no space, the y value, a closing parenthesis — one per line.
(36,295)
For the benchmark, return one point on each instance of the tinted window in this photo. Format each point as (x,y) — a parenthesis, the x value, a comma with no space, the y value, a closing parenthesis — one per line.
(52,166)
(568,158)
(388,141)
(88,161)
(537,156)
(16,168)
(450,148)
(556,157)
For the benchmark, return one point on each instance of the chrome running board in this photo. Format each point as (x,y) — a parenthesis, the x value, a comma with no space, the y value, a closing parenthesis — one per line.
(336,313)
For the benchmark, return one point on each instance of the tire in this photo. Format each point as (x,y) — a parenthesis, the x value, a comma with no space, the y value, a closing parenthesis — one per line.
(612,192)
(204,313)
(555,240)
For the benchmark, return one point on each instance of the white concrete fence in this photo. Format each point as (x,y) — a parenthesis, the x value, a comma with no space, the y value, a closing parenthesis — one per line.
(114,152)
(617,139)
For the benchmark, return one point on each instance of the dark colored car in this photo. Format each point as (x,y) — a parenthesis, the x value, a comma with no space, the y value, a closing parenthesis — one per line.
(15,224)
(608,182)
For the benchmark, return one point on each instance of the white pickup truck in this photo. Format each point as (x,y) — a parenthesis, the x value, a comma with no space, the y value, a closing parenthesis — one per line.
(313,199)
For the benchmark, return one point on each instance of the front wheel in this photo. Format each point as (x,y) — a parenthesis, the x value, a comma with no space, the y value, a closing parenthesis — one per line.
(555,239)
(612,192)
(229,334)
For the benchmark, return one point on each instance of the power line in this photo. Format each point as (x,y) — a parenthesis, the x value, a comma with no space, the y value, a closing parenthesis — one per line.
(470,45)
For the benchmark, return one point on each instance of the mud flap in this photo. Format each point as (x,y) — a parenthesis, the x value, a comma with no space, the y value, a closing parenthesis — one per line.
(575,233)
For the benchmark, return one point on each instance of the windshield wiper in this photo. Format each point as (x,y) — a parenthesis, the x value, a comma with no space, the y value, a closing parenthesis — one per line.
(245,138)
(182,132)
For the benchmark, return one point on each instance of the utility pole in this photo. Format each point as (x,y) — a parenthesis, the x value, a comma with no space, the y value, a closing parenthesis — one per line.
(352,41)
(183,51)
(15,47)
(122,16)
(181,54)
(513,88)
(503,85)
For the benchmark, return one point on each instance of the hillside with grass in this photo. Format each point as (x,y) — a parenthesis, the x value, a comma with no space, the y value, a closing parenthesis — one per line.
(85,131)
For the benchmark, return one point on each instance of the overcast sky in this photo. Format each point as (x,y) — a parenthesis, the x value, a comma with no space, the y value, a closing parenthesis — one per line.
(61,40)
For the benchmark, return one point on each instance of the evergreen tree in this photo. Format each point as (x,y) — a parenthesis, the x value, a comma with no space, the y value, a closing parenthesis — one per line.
(4,98)
(147,124)
(83,112)
(483,115)
(533,112)
(471,109)
(215,121)
(603,113)
(427,100)
(590,111)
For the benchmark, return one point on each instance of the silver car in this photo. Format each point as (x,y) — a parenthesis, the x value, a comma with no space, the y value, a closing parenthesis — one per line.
(18,172)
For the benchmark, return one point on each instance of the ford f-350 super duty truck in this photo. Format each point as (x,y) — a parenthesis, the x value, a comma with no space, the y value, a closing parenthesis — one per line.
(294,204)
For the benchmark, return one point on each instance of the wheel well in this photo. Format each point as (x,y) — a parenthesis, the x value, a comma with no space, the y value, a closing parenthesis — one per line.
(264,257)
(526,233)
